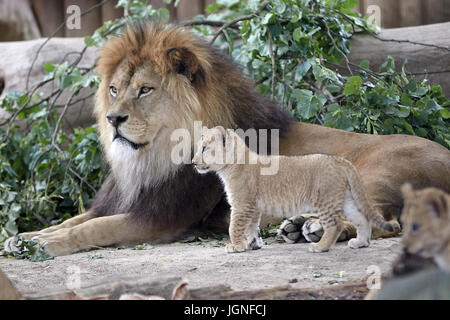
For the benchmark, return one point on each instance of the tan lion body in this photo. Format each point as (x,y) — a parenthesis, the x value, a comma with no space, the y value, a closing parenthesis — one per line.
(329,184)
(148,198)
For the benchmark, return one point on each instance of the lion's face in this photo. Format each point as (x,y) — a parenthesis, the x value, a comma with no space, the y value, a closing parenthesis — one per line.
(138,107)
(211,150)
(425,220)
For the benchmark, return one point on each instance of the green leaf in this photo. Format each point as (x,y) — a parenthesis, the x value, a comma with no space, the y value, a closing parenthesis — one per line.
(213,7)
(349,4)
(408,127)
(164,14)
(411,86)
(406,100)
(89,41)
(307,104)
(365,64)
(298,34)
(445,113)
(302,96)
(268,18)
(433,105)
(296,17)
(353,85)
(48,67)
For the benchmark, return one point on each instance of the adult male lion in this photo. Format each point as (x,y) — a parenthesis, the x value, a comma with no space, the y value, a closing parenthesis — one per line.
(156,79)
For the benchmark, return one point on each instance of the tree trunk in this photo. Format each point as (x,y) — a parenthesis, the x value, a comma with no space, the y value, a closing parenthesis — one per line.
(423,61)
(115,288)
(17,21)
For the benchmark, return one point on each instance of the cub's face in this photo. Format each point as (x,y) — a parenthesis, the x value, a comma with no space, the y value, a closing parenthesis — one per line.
(138,107)
(210,155)
(425,220)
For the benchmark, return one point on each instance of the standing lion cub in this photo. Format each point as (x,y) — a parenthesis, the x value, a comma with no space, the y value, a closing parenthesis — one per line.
(329,184)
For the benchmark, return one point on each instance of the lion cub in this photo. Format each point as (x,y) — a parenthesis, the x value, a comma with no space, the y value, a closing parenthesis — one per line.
(426,224)
(329,184)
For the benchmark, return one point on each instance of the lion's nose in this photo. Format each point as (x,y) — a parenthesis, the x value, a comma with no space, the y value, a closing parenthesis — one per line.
(116,119)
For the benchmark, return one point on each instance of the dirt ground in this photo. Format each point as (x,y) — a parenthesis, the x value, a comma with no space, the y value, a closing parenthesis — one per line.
(205,264)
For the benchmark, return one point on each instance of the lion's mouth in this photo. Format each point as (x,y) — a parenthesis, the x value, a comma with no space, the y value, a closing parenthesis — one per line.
(132,144)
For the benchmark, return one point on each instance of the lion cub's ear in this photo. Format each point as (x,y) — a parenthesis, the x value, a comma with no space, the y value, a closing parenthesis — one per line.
(184,62)
(437,206)
(407,190)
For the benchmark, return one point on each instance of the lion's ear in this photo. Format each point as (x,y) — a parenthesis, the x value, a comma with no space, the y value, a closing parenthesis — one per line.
(184,62)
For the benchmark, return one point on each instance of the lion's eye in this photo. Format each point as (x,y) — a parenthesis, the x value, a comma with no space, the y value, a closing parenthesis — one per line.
(145,91)
(415,227)
(113,91)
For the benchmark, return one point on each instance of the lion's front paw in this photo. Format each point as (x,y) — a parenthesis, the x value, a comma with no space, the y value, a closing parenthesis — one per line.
(290,229)
(54,244)
(11,244)
(234,248)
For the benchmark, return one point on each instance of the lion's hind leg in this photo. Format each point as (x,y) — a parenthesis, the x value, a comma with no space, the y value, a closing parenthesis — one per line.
(357,218)
(307,227)
(291,229)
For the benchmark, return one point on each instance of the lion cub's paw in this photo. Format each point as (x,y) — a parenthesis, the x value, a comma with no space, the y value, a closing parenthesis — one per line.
(357,243)
(234,248)
(255,243)
(314,247)
(290,229)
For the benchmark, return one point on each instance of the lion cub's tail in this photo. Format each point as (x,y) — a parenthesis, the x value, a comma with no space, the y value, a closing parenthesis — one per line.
(361,200)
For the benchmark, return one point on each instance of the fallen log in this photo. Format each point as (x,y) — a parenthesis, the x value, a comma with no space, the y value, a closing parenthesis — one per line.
(429,61)
(17,21)
(115,288)
(355,290)
(16,59)
(176,288)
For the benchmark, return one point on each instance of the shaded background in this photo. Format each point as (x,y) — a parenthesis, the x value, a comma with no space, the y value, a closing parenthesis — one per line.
(30,19)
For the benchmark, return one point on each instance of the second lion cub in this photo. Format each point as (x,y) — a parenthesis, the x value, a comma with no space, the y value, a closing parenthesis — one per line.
(329,184)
